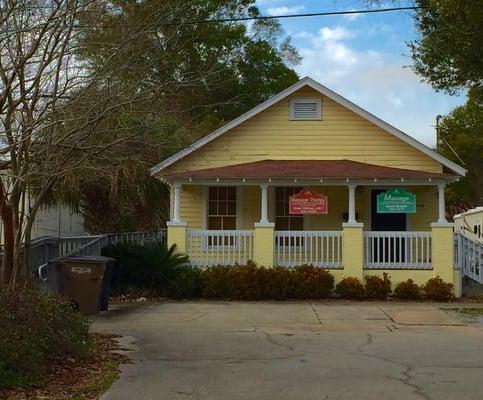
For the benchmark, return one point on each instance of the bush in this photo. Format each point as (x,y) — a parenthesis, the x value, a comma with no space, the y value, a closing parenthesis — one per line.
(310,282)
(407,290)
(145,269)
(377,288)
(186,284)
(279,283)
(217,283)
(249,282)
(350,288)
(438,290)
(35,328)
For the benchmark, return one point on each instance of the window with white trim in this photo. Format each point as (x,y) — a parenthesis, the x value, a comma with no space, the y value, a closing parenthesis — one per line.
(305,109)
(222,208)
(284,221)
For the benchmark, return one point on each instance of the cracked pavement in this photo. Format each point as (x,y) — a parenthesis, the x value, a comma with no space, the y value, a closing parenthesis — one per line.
(294,350)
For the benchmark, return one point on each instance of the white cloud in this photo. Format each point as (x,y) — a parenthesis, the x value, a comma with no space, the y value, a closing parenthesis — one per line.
(337,33)
(376,81)
(285,10)
(329,58)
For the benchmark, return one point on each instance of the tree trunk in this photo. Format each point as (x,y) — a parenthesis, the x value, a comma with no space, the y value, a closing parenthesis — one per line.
(8,245)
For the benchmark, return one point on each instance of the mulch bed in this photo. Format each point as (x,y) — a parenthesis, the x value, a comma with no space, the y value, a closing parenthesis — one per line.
(70,378)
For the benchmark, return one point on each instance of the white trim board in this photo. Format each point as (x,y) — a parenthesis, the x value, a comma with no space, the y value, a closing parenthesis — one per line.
(331,95)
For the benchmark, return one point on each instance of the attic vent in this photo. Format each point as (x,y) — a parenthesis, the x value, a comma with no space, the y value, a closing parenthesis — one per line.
(305,109)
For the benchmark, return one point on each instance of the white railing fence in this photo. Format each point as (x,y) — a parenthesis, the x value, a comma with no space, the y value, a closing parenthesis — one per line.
(398,250)
(207,248)
(318,248)
(469,257)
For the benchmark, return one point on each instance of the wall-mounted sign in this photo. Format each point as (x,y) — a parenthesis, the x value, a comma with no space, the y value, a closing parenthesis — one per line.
(396,200)
(308,201)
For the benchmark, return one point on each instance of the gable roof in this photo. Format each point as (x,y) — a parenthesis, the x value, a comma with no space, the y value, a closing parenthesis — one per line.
(325,92)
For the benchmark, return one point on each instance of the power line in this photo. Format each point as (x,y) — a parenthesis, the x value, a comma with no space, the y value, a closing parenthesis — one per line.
(318,14)
(240,19)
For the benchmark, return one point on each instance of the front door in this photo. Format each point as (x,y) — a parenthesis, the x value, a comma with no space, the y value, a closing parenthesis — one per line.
(385,222)
(387,249)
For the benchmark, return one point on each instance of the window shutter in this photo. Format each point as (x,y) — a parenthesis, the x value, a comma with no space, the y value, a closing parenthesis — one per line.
(305,109)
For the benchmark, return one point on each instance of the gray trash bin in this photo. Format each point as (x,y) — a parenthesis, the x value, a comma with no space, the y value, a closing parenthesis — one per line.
(84,281)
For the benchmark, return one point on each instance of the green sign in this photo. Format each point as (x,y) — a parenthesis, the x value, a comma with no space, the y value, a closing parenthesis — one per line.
(396,200)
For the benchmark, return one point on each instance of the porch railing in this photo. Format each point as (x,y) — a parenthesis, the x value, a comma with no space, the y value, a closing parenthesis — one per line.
(207,247)
(398,250)
(469,257)
(319,248)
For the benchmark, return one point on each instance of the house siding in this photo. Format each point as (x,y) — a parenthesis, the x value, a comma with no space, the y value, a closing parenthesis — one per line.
(340,134)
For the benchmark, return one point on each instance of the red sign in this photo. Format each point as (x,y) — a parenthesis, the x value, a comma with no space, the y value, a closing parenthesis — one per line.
(308,201)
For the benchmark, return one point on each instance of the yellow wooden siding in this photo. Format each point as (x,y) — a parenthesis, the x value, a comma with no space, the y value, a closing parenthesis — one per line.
(192,206)
(426,208)
(341,134)
(250,206)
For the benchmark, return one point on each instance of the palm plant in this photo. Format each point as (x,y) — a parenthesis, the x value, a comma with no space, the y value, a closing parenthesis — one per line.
(145,269)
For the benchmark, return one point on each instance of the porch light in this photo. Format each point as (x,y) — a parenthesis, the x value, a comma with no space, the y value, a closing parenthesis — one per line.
(375,179)
(402,179)
(244,180)
(321,180)
(218,179)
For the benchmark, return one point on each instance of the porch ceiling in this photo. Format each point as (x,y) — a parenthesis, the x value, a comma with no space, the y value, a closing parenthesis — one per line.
(309,169)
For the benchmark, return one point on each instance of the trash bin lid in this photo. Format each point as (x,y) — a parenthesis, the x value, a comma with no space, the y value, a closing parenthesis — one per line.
(93,259)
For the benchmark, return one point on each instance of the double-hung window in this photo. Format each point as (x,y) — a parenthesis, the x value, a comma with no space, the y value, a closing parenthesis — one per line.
(284,221)
(221,213)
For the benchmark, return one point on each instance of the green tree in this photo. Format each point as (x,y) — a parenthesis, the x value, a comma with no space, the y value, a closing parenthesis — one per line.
(197,75)
(449,54)
(462,140)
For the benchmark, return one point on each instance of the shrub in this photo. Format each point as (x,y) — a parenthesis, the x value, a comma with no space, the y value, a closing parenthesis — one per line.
(186,284)
(350,288)
(310,282)
(279,283)
(145,269)
(407,290)
(377,288)
(35,328)
(438,290)
(249,282)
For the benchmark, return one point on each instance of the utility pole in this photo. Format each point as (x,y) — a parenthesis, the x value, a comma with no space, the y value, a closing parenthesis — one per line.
(438,138)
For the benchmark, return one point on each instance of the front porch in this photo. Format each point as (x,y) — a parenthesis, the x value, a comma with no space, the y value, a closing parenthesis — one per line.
(230,215)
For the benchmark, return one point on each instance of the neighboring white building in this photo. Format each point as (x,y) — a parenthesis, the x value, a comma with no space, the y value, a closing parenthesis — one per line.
(470,223)
(57,220)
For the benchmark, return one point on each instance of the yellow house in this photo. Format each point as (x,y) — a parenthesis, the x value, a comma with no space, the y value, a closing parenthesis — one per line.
(308,177)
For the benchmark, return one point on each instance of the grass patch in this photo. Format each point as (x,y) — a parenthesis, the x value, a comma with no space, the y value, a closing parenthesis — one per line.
(468,311)
(76,379)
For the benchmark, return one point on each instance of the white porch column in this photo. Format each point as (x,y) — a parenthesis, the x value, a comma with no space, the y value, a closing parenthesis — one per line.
(177,229)
(264,233)
(264,204)
(441,204)
(176,206)
(352,204)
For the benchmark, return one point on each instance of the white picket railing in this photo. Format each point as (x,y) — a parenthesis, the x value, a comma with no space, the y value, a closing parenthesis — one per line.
(207,248)
(469,257)
(398,250)
(318,248)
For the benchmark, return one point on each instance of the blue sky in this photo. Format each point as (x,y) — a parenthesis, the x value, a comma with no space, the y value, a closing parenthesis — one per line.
(365,58)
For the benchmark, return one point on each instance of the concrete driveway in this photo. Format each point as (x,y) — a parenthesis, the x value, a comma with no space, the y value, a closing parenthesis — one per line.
(300,350)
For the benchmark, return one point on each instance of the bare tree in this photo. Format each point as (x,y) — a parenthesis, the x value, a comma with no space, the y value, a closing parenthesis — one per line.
(54,112)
